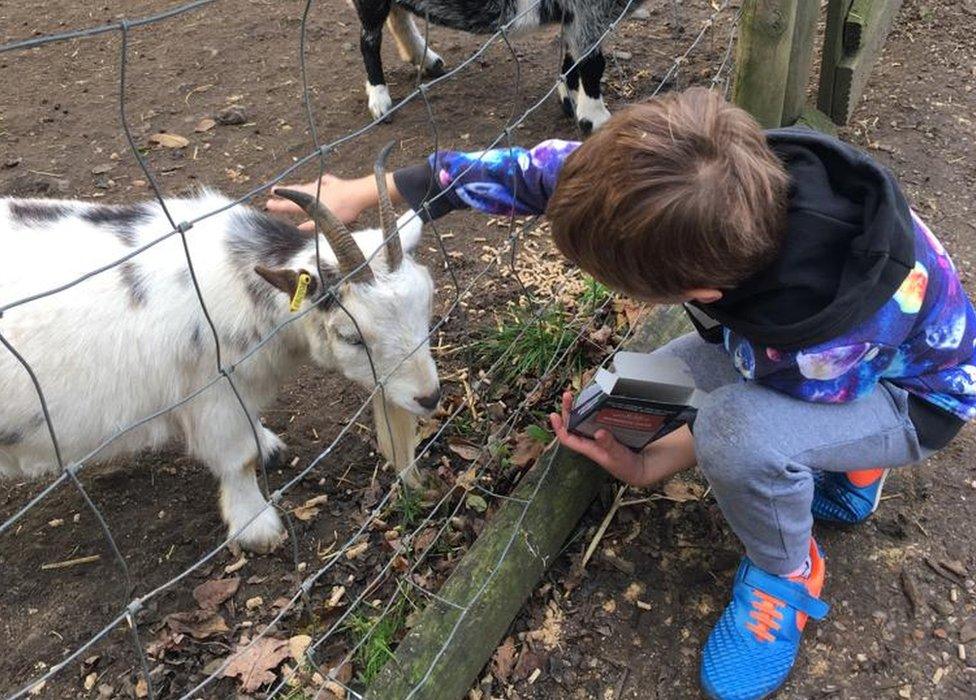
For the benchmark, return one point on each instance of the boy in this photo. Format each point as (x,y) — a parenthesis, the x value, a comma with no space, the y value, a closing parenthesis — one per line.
(845,344)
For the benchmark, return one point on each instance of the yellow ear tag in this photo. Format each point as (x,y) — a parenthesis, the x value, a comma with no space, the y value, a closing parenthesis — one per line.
(300,292)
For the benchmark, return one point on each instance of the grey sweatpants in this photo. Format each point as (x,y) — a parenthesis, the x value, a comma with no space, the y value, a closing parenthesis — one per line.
(758,448)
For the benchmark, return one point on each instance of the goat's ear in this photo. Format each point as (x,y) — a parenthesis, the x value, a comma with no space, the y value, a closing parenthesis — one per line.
(410,227)
(286,279)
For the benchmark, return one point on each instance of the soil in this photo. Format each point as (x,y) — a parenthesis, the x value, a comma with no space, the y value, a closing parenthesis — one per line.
(60,136)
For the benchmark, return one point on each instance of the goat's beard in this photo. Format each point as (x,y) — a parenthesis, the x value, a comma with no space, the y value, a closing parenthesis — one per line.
(396,435)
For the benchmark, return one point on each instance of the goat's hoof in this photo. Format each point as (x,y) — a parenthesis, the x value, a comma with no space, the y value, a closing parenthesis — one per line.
(380,102)
(434,68)
(263,535)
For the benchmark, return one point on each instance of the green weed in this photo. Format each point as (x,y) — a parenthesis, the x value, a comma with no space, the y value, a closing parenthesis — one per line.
(375,635)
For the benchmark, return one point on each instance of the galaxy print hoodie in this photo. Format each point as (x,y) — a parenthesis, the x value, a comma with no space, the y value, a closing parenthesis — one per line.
(862,291)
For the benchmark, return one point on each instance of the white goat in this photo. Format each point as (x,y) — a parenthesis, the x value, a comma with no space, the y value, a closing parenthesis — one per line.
(133,340)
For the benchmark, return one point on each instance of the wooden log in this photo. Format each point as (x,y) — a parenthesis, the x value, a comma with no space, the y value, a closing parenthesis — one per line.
(801,58)
(763,58)
(866,27)
(833,52)
(456,635)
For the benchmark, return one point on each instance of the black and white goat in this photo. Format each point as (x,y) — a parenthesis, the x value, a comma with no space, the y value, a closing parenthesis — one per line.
(133,340)
(585,22)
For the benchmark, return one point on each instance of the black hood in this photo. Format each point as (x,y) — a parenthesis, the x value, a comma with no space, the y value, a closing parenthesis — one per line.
(848,247)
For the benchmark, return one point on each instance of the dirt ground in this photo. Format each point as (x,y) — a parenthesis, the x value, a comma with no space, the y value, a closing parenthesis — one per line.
(633,625)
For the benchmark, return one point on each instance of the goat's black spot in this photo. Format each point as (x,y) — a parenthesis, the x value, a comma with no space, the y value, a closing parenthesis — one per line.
(196,337)
(122,220)
(9,438)
(38,211)
(133,282)
(12,436)
(258,238)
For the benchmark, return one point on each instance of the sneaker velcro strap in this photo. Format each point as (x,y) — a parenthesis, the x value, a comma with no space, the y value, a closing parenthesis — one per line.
(790,593)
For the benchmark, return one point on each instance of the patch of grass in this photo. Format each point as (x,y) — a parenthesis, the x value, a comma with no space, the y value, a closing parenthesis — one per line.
(525,344)
(375,636)
(409,507)
(595,294)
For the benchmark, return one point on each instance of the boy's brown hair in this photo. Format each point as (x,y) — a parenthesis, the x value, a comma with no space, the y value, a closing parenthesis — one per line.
(678,193)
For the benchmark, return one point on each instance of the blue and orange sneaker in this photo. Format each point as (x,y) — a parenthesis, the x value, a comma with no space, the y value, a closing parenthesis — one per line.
(847,497)
(753,645)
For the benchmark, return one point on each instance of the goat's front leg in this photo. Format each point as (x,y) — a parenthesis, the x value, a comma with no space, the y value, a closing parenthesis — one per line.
(411,45)
(591,113)
(372,15)
(568,87)
(396,435)
(251,521)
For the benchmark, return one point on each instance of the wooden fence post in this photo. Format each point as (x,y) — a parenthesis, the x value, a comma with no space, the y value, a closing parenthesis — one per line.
(763,58)
(801,58)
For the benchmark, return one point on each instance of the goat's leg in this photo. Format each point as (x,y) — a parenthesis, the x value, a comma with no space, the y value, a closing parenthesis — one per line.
(568,87)
(220,435)
(399,424)
(372,15)
(591,113)
(411,45)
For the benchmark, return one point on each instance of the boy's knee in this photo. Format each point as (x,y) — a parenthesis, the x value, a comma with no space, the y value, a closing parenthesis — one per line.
(729,436)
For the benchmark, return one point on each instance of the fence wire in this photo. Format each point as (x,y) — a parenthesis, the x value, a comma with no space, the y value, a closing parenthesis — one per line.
(503,259)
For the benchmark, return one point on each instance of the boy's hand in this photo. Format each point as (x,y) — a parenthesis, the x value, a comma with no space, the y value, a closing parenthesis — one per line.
(346,198)
(659,460)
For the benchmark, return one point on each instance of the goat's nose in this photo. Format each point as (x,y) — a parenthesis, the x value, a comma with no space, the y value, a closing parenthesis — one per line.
(430,401)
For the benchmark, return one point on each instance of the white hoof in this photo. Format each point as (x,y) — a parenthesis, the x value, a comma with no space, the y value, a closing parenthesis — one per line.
(379,100)
(591,113)
(262,535)
(433,64)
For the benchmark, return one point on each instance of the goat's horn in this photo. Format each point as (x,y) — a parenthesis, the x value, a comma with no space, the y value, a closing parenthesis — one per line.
(344,246)
(388,222)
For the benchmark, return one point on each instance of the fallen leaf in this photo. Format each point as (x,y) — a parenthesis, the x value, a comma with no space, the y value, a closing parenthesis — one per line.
(255,602)
(527,450)
(298,644)
(550,632)
(464,449)
(528,663)
(466,479)
(633,592)
(424,539)
(681,491)
(169,140)
(254,664)
(601,335)
(90,680)
(205,124)
(356,551)
(142,688)
(210,594)
(503,660)
(199,624)
(309,509)
(476,503)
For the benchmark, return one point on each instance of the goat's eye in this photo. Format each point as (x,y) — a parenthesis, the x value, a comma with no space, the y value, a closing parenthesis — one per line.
(351,339)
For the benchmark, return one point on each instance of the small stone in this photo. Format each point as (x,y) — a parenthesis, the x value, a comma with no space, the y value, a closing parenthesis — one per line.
(105,690)
(255,602)
(967,632)
(940,633)
(12,162)
(231,116)
(102,169)
(641,13)
(623,55)
(139,183)
(943,607)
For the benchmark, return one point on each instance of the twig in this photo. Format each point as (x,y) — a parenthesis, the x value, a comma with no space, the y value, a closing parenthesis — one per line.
(588,554)
(71,562)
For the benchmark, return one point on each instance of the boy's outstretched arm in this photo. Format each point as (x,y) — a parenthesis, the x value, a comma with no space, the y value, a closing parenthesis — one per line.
(501,181)
(658,461)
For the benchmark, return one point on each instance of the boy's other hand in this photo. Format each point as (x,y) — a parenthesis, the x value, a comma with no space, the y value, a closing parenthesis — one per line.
(659,460)
(343,197)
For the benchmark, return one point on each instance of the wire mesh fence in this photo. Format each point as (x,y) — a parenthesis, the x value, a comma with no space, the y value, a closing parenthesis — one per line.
(316,670)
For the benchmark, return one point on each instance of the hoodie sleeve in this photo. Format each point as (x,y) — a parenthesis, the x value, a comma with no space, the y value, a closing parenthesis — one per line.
(837,372)
(501,181)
